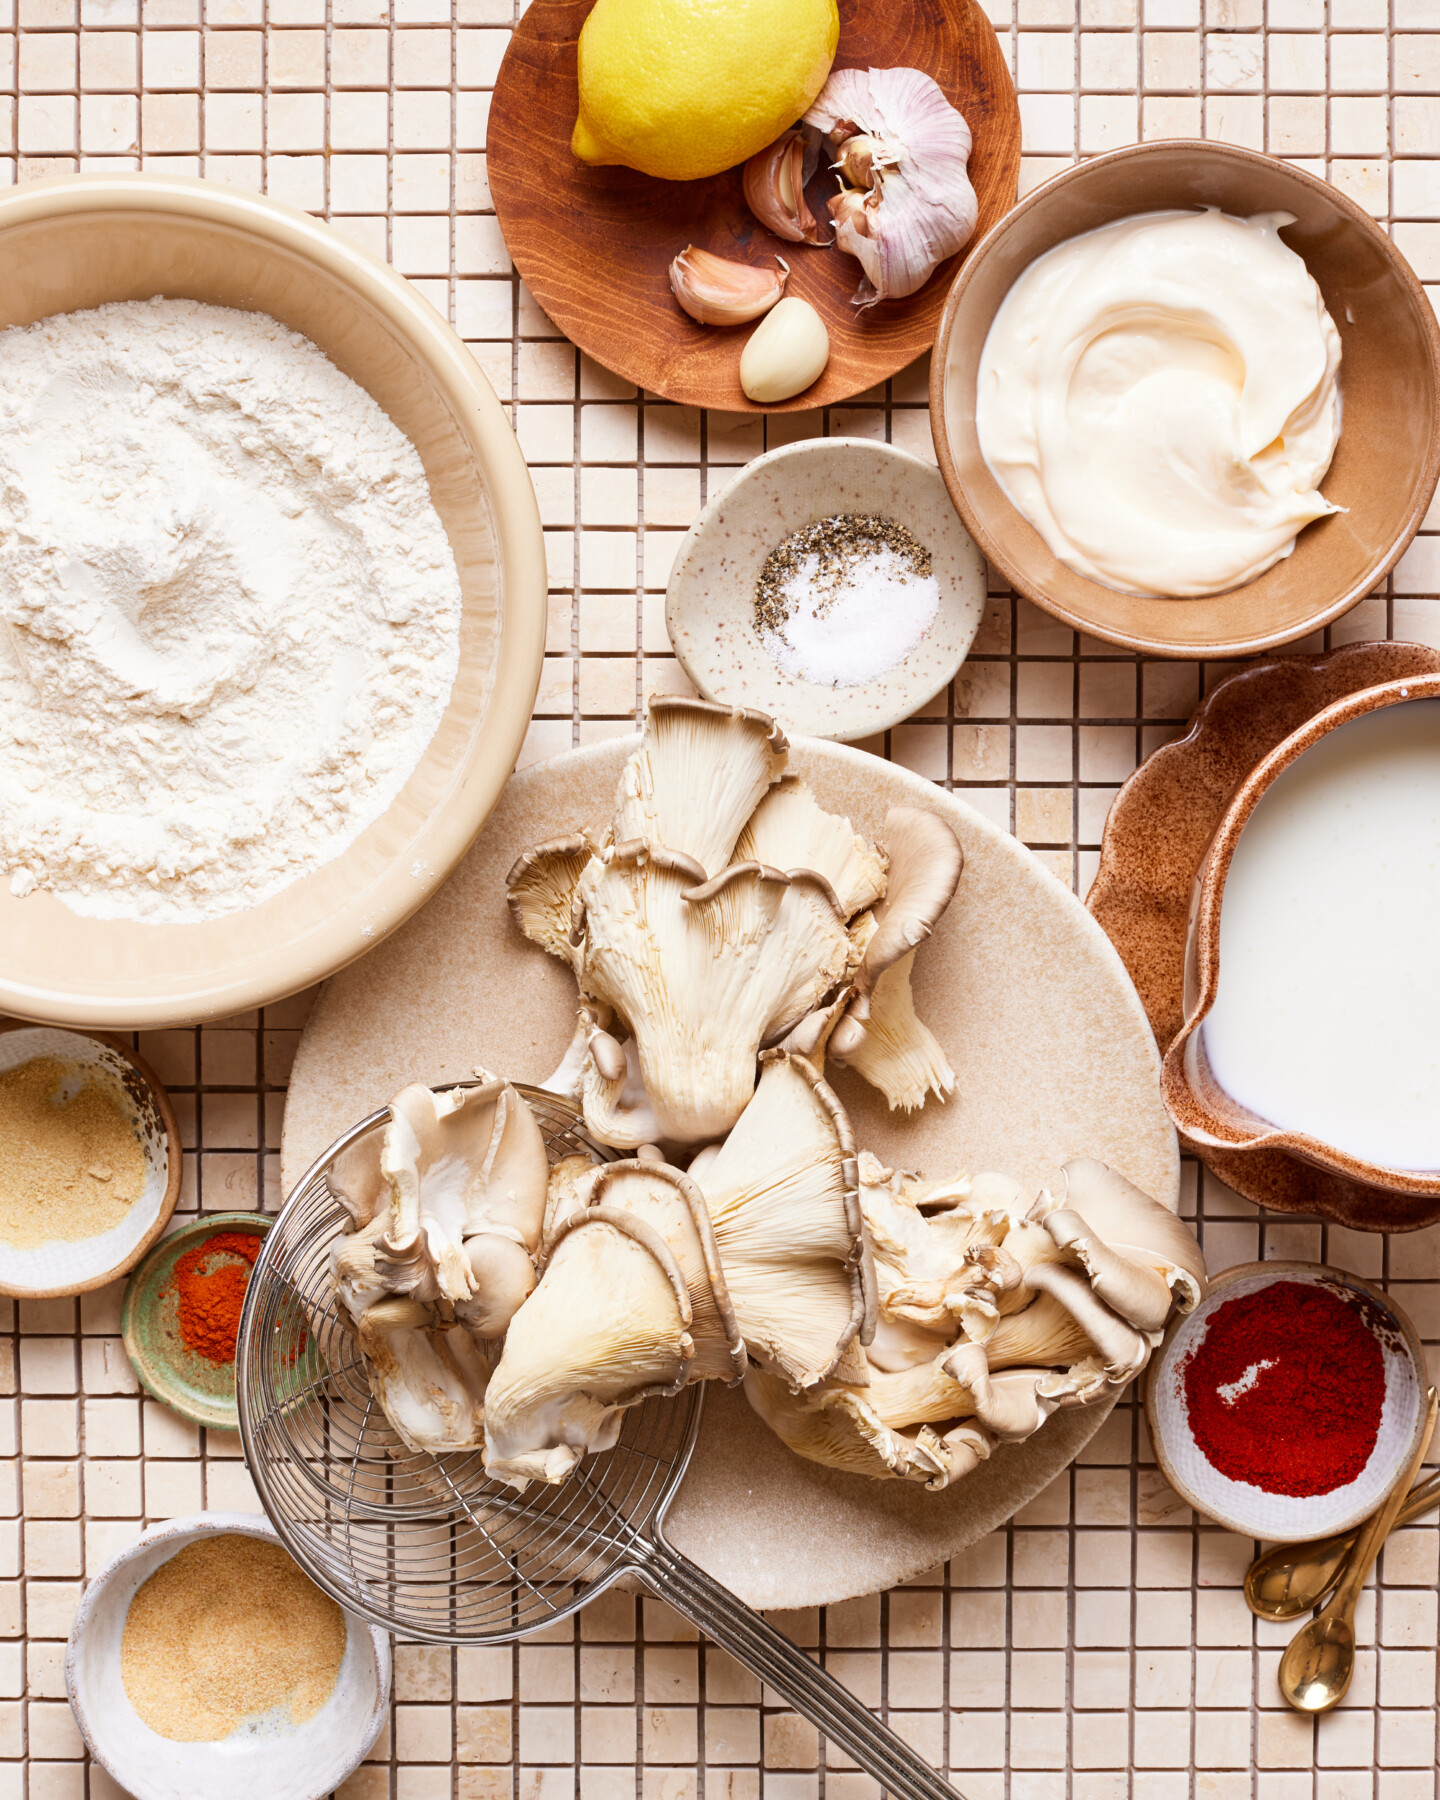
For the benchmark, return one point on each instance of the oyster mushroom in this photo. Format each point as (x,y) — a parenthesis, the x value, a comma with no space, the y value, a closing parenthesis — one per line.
(880,1035)
(783,1198)
(838,1427)
(541,891)
(429,1379)
(895,1050)
(448,1202)
(632,1303)
(790,830)
(696,778)
(1140,1258)
(703,976)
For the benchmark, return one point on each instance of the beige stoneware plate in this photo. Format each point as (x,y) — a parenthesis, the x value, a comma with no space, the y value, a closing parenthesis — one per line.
(1027,995)
(80,241)
(709,604)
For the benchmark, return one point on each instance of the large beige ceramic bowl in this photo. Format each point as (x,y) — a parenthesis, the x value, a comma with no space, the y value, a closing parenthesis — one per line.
(80,241)
(1386,464)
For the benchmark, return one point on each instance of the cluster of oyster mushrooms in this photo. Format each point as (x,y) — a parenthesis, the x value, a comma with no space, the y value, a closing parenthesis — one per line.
(727,935)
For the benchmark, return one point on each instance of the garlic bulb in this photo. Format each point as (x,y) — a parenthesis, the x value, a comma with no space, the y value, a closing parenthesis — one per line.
(785,353)
(715,291)
(906,150)
(774,184)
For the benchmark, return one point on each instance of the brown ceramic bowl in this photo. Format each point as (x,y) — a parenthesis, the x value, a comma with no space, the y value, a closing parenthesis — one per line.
(1388,457)
(1201,1108)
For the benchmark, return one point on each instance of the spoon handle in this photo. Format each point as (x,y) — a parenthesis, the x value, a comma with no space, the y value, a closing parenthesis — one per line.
(1372,1534)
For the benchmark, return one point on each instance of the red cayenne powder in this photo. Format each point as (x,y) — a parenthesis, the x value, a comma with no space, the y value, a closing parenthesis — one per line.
(1285,1390)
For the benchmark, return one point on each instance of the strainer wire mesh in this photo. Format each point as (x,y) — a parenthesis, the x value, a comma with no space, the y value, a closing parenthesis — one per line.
(424,1545)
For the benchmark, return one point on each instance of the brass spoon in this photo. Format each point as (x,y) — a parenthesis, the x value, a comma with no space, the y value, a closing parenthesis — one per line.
(1319,1660)
(1292,1579)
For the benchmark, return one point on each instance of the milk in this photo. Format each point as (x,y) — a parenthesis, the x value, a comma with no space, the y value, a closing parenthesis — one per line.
(1327,1019)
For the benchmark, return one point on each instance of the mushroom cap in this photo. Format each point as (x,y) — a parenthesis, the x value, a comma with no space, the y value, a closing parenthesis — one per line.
(696,777)
(430,1382)
(782,1194)
(541,891)
(925,865)
(892,1048)
(1129,1223)
(790,830)
(701,984)
(607,1325)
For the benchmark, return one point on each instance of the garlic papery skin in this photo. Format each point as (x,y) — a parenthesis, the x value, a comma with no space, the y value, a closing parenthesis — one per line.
(716,291)
(774,183)
(897,135)
(784,354)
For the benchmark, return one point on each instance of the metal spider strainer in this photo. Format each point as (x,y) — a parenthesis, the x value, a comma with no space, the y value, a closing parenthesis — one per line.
(429,1546)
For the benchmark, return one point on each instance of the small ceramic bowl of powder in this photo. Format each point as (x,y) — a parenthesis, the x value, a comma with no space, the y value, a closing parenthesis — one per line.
(90,1160)
(1286,1405)
(203,1660)
(831,584)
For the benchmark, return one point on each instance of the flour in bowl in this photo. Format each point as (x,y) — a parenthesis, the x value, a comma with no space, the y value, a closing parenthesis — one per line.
(229,612)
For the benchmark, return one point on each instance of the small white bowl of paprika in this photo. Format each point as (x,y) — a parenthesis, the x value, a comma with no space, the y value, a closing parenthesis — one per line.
(1287,1404)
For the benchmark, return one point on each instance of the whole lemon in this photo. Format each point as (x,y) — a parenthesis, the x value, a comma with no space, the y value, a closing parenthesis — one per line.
(685,88)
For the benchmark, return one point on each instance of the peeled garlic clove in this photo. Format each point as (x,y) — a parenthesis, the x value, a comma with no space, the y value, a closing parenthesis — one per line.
(716,291)
(774,183)
(785,354)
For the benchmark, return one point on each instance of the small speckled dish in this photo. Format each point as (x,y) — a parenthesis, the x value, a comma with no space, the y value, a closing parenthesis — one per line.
(709,604)
(295,1763)
(191,1385)
(61,1267)
(1287,1518)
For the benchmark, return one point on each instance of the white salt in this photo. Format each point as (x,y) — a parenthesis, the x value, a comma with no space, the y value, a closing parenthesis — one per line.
(854,627)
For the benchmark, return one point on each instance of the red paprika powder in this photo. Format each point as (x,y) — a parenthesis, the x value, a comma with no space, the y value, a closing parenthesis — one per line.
(211,1298)
(1286,1389)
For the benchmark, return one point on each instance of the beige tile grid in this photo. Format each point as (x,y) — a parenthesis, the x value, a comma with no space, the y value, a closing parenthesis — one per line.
(1097,1648)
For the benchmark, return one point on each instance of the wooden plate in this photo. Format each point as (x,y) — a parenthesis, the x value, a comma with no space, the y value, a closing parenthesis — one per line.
(595,245)
(1027,995)
(1156,838)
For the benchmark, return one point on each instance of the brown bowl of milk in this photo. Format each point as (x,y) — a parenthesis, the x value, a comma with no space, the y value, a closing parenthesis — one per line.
(1312,974)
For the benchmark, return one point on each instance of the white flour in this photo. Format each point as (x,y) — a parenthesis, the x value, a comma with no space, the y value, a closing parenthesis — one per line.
(229,613)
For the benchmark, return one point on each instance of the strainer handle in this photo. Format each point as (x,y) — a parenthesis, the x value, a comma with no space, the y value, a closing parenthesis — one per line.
(761,1649)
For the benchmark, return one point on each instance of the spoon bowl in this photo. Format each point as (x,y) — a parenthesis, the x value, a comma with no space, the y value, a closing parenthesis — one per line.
(1292,1578)
(1318,1663)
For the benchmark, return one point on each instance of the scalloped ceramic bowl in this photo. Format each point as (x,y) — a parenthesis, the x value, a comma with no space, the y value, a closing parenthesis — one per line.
(1200,1106)
(1286,1518)
(80,241)
(1388,458)
(299,1763)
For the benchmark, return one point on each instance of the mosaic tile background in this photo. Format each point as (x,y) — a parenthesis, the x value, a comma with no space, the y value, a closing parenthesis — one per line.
(1097,1649)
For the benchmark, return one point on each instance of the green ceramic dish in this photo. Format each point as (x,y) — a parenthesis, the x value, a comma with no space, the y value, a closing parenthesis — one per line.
(191,1385)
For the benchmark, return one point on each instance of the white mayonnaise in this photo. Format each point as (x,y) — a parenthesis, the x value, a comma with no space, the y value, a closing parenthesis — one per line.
(1158,398)
(1327,1018)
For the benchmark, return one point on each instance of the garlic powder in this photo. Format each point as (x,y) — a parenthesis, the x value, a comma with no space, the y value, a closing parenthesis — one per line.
(229,612)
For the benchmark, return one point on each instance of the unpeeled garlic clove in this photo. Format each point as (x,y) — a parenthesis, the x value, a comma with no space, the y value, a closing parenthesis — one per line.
(785,353)
(716,291)
(862,158)
(774,183)
(851,208)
